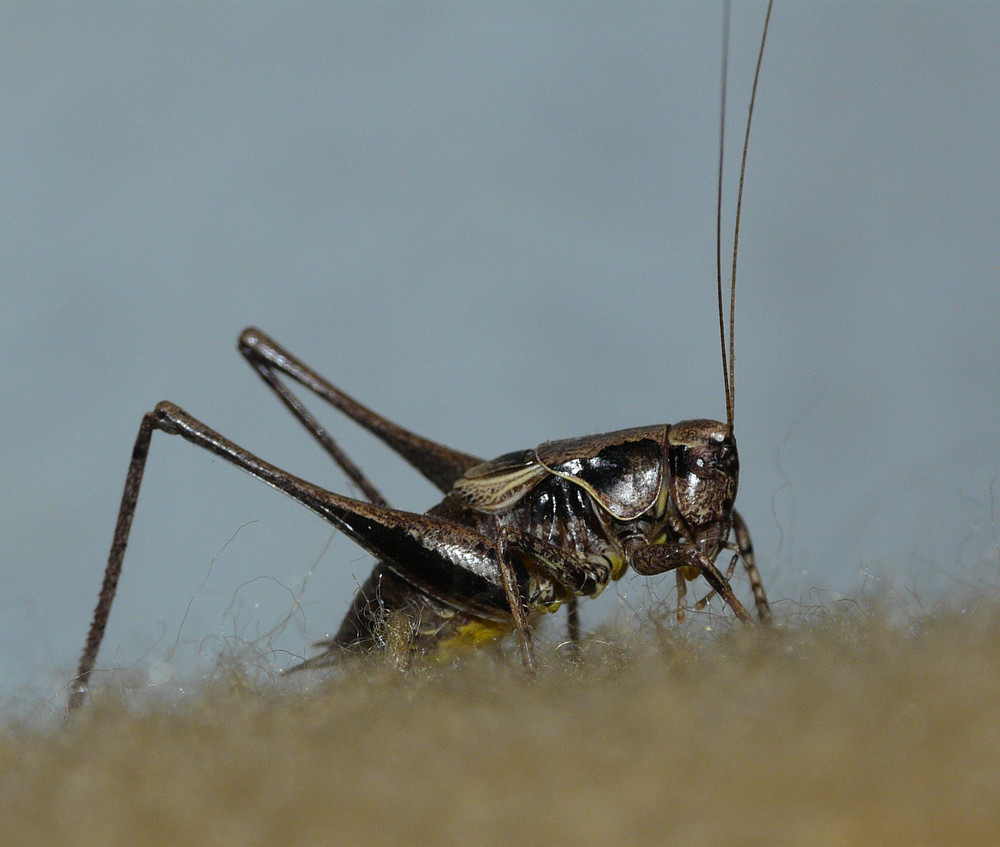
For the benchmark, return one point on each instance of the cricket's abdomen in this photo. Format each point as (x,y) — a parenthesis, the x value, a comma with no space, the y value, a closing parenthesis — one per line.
(390,615)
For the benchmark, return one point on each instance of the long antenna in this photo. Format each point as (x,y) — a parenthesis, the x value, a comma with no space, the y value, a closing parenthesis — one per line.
(739,209)
(729,371)
(727,376)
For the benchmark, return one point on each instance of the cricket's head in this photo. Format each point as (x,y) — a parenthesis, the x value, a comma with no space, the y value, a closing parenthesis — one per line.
(704,474)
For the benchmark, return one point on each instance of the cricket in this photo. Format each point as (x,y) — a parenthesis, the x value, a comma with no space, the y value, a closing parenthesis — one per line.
(513,538)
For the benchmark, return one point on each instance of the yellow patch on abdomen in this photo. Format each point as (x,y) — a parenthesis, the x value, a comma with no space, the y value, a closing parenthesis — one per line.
(471,635)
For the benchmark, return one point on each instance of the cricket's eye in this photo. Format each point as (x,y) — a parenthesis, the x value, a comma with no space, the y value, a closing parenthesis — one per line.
(700,461)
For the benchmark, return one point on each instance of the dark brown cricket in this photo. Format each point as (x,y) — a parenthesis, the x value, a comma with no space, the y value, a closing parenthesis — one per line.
(513,537)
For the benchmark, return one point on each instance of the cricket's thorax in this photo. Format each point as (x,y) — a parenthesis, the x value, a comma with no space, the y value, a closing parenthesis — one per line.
(580,496)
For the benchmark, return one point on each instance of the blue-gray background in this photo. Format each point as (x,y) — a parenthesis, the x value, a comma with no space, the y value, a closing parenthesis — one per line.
(493,223)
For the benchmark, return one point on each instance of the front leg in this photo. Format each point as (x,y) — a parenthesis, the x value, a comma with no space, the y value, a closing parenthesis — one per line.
(649,559)
(744,553)
(745,547)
